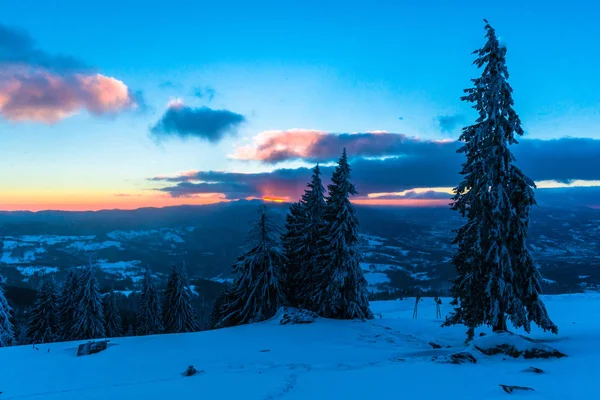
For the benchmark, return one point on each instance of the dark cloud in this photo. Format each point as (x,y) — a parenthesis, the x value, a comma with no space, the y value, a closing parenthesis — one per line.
(426,165)
(205,92)
(317,146)
(205,123)
(425,160)
(449,123)
(18,47)
(235,185)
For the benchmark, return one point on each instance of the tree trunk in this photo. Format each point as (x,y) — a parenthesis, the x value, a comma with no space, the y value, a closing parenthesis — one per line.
(501,325)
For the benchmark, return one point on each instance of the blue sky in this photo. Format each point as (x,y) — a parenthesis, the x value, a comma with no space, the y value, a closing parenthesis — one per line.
(330,66)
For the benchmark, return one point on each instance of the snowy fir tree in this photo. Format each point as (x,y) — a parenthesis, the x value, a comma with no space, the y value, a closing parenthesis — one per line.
(179,314)
(7,332)
(340,289)
(67,303)
(496,274)
(149,315)
(88,319)
(312,243)
(42,324)
(113,325)
(219,308)
(257,291)
(293,248)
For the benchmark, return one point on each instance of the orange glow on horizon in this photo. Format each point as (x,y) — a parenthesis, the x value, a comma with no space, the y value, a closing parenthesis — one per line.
(275,199)
(98,200)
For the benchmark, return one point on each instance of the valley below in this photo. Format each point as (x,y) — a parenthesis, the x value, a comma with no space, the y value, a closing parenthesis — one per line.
(405,250)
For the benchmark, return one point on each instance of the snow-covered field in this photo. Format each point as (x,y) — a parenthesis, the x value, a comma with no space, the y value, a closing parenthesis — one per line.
(387,358)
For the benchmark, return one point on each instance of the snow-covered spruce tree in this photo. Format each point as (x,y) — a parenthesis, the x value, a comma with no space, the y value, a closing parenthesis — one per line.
(496,274)
(219,308)
(88,319)
(67,303)
(257,290)
(7,332)
(42,324)
(113,325)
(149,315)
(313,244)
(179,315)
(340,289)
(293,248)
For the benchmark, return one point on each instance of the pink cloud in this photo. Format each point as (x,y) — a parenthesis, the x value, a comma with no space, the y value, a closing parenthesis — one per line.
(37,94)
(269,145)
(316,146)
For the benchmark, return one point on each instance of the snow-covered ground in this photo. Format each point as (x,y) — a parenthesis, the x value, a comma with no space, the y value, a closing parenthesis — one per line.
(386,358)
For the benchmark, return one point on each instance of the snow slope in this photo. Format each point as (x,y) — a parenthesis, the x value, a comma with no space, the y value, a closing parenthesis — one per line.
(387,358)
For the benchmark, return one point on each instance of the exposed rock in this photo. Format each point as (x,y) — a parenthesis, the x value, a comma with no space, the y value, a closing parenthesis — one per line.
(534,370)
(289,315)
(510,388)
(435,345)
(190,371)
(514,346)
(463,357)
(543,353)
(91,347)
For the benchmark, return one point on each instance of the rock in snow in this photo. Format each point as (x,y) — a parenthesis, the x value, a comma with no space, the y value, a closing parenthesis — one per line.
(290,315)
(514,346)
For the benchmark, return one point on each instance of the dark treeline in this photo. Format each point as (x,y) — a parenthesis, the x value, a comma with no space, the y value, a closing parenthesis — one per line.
(77,310)
(313,264)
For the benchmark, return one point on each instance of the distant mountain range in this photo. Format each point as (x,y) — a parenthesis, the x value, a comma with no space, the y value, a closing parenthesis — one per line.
(403,248)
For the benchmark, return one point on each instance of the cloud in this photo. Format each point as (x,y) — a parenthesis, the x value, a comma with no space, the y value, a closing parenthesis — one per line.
(40,87)
(18,47)
(449,123)
(319,146)
(185,122)
(434,162)
(280,183)
(39,95)
(423,164)
(205,92)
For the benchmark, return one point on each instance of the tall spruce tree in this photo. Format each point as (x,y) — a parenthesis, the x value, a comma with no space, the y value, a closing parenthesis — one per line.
(312,243)
(257,291)
(149,315)
(341,288)
(219,308)
(68,300)
(7,331)
(294,250)
(42,324)
(179,315)
(88,319)
(496,274)
(113,325)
